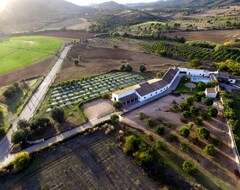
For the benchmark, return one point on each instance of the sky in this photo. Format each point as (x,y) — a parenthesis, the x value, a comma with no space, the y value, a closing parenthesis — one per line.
(87,2)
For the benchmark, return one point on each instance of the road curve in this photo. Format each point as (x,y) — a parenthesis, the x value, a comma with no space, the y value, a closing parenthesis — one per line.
(32,105)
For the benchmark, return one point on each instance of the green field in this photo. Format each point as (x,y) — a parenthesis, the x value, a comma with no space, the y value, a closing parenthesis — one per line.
(146,24)
(19,52)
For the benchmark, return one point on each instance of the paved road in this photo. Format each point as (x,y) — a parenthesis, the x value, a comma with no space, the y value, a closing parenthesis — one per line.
(32,105)
(60,137)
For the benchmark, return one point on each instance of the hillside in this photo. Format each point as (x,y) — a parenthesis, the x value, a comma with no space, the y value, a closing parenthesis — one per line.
(110,5)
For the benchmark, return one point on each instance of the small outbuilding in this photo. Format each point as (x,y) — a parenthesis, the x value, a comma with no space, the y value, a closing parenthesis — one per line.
(212,92)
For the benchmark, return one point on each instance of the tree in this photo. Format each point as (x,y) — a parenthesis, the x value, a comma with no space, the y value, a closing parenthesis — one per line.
(1,119)
(184,131)
(189,100)
(58,114)
(209,150)
(194,110)
(117,105)
(114,119)
(142,68)
(131,144)
(213,112)
(233,123)
(76,62)
(126,67)
(186,114)
(208,101)
(201,86)
(160,130)
(150,122)
(18,136)
(204,133)
(21,161)
(195,63)
(188,167)
(199,121)
(22,124)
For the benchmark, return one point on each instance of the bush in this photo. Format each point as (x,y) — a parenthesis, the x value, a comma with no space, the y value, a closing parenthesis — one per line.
(114,119)
(150,122)
(208,101)
(117,105)
(143,157)
(131,144)
(184,131)
(58,114)
(173,138)
(184,147)
(186,114)
(22,124)
(195,63)
(18,136)
(199,121)
(206,116)
(213,112)
(160,145)
(188,167)
(126,67)
(189,100)
(1,119)
(209,150)
(160,130)
(204,133)
(142,68)
(21,161)
(195,141)
(194,110)
(141,116)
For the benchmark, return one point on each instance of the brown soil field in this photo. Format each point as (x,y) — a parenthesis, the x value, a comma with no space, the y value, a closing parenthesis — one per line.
(98,60)
(74,34)
(84,162)
(217,36)
(37,69)
(98,108)
(222,165)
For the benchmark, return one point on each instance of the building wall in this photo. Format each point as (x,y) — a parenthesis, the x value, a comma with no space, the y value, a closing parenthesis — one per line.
(195,72)
(155,93)
(232,81)
(118,96)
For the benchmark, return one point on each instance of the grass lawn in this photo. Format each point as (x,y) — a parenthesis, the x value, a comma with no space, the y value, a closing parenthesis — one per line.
(146,24)
(19,52)
(183,89)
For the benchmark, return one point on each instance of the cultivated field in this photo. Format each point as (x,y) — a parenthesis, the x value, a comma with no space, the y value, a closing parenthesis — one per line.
(220,169)
(217,36)
(87,89)
(98,56)
(146,24)
(84,162)
(20,52)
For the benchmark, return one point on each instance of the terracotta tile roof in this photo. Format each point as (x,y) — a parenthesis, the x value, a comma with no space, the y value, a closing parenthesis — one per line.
(168,77)
(146,88)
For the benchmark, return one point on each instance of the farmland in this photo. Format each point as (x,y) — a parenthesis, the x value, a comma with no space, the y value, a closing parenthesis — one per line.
(214,172)
(99,56)
(91,161)
(19,52)
(146,24)
(74,92)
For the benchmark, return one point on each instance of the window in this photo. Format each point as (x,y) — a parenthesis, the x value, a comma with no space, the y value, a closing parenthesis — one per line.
(151,94)
(145,97)
(115,99)
(156,92)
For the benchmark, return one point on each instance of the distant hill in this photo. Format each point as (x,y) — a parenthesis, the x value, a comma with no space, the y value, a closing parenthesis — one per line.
(31,10)
(110,5)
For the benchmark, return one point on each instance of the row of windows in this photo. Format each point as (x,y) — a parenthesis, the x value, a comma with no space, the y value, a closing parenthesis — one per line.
(156,92)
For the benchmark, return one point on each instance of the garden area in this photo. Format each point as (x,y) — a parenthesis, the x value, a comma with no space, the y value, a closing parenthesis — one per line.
(89,88)
(190,128)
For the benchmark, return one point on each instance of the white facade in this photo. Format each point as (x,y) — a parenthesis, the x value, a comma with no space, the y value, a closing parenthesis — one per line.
(117,96)
(195,72)
(142,98)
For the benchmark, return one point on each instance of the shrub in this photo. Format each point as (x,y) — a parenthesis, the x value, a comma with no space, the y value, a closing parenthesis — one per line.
(232,123)
(22,124)
(58,114)
(208,101)
(206,116)
(189,100)
(160,130)
(188,167)
(173,138)
(209,150)
(184,106)
(160,145)
(194,110)
(195,141)
(186,114)
(201,86)
(184,147)
(126,67)
(184,131)
(21,161)
(18,136)
(195,63)
(131,144)
(190,125)
(199,121)
(213,112)
(150,122)
(117,105)
(141,116)
(204,133)
(143,157)
(114,119)
(142,68)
